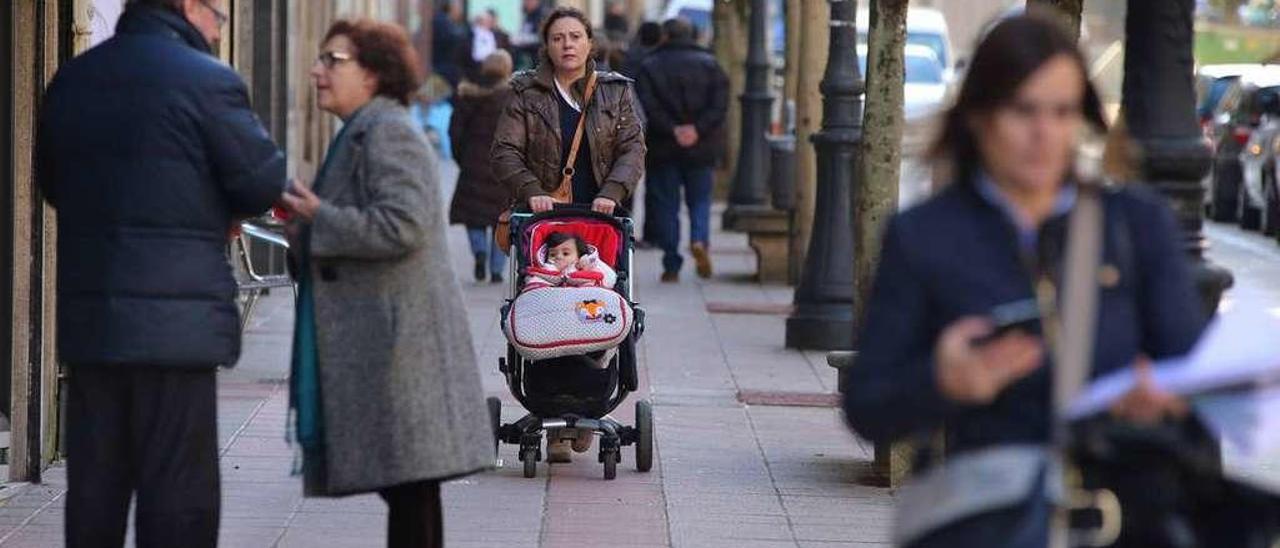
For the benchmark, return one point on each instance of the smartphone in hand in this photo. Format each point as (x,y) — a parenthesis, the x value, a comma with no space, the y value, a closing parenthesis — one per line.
(1023,315)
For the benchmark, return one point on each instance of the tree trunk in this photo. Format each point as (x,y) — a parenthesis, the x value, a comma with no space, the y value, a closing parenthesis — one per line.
(1069,10)
(812,61)
(882,126)
(876,199)
(730,46)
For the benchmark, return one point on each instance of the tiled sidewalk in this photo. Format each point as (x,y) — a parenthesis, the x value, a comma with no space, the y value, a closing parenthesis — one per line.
(726,474)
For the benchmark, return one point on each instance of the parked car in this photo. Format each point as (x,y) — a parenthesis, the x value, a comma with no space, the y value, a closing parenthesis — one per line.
(1260,177)
(925,27)
(1240,113)
(1257,160)
(925,87)
(1212,83)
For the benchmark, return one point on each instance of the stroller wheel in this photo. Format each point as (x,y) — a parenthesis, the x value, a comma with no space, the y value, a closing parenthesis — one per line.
(530,458)
(644,435)
(610,459)
(495,419)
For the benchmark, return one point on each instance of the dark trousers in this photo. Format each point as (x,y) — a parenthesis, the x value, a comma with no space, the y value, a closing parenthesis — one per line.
(148,431)
(665,182)
(415,519)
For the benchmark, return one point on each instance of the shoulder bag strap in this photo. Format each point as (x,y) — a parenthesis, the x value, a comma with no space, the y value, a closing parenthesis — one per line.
(1072,343)
(564,193)
(1070,332)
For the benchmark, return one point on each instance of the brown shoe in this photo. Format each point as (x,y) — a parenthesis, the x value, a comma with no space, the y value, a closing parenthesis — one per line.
(670,277)
(558,450)
(701,259)
(582,443)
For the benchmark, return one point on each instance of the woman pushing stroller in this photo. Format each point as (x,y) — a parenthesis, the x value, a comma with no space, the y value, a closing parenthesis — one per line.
(569,134)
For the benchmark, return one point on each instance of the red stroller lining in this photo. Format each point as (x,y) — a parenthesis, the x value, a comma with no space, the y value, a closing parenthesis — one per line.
(602,235)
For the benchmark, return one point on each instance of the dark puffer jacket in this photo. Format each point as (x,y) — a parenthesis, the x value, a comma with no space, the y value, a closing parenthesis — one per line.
(148,149)
(681,83)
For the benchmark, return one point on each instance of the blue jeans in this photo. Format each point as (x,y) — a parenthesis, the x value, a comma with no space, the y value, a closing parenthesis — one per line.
(665,183)
(481,238)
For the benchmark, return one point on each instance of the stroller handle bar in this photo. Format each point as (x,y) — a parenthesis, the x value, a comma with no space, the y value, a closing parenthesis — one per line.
(618,211)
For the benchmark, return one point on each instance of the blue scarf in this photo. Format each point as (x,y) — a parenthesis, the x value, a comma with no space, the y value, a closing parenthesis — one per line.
(304,375)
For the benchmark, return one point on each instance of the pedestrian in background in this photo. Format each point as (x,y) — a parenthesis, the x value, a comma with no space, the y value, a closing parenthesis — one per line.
(995,236)
(450,46)
(384,385)
(617,27)
(648,37)
(479,198)
(685,95)
(485,38)
(527,40)
(149,151)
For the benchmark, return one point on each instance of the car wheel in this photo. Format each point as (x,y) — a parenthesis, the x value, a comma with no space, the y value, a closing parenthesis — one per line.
(1248,215)
(1270,206)
(1222,207)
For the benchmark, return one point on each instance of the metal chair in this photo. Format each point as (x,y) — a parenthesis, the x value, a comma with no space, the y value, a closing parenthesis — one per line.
(250,284)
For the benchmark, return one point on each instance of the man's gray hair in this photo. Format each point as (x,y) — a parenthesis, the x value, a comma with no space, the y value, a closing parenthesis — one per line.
(678,30)
(175,5)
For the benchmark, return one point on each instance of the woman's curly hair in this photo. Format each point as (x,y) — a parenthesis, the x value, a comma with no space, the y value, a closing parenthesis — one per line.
(383,49)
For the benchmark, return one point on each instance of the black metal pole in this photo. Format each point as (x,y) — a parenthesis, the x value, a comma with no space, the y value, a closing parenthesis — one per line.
(1159,108)
(748,189)
(823,319)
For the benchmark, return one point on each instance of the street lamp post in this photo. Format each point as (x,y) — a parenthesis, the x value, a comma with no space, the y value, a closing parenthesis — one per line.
(823,319)
(1159,109)
(748,190)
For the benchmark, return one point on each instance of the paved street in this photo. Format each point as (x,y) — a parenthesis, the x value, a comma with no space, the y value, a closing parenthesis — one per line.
(728,473)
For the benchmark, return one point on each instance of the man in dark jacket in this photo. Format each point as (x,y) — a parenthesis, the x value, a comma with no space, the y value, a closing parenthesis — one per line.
(149,150)
(449,42)
(647,38)
(685,95)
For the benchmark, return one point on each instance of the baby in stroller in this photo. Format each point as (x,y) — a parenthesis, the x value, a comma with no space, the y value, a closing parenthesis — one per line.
(572,331)
(566,260)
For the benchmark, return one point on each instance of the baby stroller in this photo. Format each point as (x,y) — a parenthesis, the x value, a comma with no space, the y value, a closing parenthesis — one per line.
(562,387)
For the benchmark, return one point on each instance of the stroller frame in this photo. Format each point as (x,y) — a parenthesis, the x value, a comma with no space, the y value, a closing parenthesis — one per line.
(623,377)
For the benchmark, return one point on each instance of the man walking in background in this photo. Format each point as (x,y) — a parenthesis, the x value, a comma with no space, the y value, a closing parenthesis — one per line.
(648,37)
(148,149)
(685,95)
(528,38)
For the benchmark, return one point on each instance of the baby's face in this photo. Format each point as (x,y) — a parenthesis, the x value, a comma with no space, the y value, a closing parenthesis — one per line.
(563,255)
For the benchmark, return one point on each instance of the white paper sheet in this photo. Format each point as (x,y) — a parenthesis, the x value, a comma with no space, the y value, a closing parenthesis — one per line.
(1239,348)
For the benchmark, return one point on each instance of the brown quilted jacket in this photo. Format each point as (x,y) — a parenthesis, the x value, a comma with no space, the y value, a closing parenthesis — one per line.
(526,147)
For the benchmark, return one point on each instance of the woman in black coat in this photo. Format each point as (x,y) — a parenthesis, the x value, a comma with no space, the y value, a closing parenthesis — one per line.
(989,238)
(479,198)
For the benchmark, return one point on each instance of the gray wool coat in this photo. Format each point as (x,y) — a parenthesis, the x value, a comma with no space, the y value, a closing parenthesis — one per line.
(399,386)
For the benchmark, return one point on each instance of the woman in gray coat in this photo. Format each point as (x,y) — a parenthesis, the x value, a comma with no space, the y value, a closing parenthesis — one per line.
(384,386)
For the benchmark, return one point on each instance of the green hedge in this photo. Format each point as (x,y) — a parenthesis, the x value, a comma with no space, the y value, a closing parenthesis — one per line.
(1226,45)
